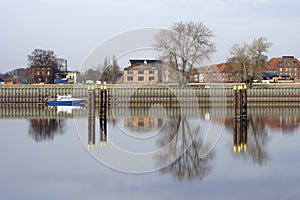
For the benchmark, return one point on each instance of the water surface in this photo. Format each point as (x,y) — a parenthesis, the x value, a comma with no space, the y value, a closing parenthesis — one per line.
(43,156)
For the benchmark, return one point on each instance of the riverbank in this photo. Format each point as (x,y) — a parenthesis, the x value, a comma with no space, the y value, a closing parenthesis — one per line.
(150,95)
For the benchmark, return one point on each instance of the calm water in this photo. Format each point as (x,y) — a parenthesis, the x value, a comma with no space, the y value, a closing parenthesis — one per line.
(49,154)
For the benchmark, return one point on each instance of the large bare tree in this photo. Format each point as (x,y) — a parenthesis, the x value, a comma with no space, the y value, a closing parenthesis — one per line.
(240,61)
(248,60)
(41,57)
(256,50)
(185,45)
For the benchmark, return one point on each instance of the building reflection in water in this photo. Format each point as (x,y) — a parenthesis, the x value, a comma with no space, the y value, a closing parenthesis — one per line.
(143,123)
(46,129)
(173,127)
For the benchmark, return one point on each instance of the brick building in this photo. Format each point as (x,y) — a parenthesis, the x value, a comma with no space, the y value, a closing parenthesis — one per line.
(43,74)
(141,72)
(287,65)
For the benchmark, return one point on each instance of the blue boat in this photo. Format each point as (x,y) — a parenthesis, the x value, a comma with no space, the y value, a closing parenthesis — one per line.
(66,100)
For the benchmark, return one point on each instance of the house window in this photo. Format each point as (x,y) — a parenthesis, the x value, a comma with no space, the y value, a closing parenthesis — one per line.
(280,69)
(151,78)
(129,78)
(38,73)
(151,72)
(129,71)
(140,78)
(295,74)
(48,73)
(141,72)
(286,69)
(141,123)
(295,69)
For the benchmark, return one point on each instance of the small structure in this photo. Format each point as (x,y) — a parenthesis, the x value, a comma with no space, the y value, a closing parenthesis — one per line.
(72,76)
(141,72)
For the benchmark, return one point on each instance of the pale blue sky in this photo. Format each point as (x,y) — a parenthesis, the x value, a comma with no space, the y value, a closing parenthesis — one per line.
(73,28)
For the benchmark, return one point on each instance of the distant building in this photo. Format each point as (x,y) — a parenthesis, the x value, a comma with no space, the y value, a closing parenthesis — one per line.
(285,66)
(211,74)
(141,72)
(72,76)
(43,74)
(47,74)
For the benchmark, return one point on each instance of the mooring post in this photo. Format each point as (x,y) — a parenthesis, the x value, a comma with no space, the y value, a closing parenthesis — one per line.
(91,116)
(244,103)
(102,115)
(240,118)
(235,99)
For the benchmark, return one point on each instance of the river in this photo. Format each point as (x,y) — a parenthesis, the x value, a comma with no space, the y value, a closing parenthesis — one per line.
(152,153)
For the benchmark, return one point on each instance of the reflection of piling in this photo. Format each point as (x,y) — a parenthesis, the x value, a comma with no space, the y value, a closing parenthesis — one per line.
(239,134)
(240,118)
(91,116)
(102,115)
(103,130)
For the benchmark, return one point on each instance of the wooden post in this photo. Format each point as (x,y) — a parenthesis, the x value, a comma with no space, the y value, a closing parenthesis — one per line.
(91,116)
(102,115)
(240,118)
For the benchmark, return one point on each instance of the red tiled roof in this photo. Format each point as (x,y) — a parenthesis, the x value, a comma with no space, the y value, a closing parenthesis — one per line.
(273,63)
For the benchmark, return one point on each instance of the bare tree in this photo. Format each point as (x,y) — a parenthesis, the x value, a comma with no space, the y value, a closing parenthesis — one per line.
(240,62)
(185,45)
(256,50)
(248,60)
(41,57)
(111,71)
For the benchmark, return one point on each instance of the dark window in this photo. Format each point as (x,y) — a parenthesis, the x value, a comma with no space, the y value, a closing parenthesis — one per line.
(141,72)
(151,78)
(140,78)
(129,78)
(129,71)
(151,72)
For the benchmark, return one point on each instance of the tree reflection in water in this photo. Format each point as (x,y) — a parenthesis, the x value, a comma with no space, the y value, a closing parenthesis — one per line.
(190,165)
(46,129)
(254,147)
(257,144)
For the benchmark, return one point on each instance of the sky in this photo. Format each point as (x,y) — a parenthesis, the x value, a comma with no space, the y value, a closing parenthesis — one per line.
(74,28)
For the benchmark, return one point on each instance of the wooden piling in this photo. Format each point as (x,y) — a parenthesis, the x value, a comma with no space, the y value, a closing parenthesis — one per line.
(91,116)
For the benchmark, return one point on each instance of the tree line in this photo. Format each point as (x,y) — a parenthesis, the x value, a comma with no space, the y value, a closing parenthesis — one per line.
(183,47)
